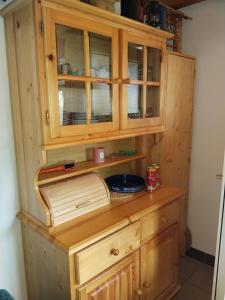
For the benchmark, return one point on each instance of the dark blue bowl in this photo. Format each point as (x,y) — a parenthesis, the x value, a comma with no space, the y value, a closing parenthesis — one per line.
(125,183)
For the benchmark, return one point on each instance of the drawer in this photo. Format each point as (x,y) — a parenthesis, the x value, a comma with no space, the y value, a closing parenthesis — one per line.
(159,220)
(103,254)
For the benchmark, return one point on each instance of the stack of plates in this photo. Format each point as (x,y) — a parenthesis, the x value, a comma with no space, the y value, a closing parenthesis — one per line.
(66,118)
(79,118)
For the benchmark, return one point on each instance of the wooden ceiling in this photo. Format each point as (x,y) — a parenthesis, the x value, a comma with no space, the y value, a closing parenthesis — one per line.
(180,3)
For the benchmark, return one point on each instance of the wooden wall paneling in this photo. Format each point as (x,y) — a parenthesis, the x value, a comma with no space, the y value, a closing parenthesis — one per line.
(47,268)
(26,107)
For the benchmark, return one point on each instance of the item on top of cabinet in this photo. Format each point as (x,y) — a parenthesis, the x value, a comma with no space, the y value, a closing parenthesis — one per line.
(67,165)
(151,180)
(117,7)
(132,9)
(125,183)
(99,155)
(105,4)
(154,14)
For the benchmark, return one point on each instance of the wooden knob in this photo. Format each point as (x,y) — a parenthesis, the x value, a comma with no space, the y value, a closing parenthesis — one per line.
(51,57)
(115,252)
(139,292)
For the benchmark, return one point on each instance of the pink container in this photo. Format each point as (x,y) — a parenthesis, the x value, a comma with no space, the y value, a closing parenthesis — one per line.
(99,155)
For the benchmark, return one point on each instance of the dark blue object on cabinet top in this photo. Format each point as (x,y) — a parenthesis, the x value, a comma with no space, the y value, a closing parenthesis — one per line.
(125,183)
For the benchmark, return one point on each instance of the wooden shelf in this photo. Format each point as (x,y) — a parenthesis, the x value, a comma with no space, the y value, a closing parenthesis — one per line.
(74,78)
(141,82)
(85,167)
(103,137)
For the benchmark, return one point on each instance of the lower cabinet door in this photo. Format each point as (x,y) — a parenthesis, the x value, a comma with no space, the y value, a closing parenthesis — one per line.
(120,282)
(159,264)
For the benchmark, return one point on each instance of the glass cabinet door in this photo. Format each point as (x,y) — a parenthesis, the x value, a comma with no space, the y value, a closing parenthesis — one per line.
(83,67)
(142,84)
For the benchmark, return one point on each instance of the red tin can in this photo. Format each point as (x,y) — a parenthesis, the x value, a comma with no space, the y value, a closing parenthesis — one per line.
(151,179)
(157,167)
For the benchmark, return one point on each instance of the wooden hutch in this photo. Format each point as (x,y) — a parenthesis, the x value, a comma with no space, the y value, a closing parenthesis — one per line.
(82,77)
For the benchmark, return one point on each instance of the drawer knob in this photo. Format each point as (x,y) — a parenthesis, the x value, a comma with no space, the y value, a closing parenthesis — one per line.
(139,292)
(115,252)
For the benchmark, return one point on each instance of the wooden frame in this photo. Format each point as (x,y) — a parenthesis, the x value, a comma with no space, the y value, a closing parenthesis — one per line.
(142,39)
(53,17)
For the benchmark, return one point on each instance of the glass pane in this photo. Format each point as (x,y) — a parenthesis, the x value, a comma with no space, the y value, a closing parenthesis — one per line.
(135,61)
(72,102)
(70,50)
(101,103)
(100,55)
(153,64)
(135,102)
(152,102)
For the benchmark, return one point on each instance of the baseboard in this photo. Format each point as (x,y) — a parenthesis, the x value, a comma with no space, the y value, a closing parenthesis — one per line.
(201,256)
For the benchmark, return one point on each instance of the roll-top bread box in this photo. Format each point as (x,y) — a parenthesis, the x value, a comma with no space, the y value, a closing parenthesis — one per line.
(70,198)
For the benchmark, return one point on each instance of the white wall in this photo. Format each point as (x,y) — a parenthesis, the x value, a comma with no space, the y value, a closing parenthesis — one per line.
(12,274)
(204,37)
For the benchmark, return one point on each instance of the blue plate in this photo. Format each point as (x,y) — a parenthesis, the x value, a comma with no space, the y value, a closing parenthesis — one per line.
(125,183)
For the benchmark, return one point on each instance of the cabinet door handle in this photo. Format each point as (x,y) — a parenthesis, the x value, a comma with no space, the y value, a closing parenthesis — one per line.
(115,252)
(51,57)
(139,292)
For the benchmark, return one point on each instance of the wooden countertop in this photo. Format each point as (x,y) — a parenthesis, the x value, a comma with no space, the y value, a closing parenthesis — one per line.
(85,230)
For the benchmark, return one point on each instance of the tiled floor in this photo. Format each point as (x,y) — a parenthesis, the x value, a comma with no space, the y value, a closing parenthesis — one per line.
(196,280)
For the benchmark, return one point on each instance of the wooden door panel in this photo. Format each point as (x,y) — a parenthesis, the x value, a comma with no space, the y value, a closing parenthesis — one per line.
(159,265)
(119,283)
(146,94)
(175,148)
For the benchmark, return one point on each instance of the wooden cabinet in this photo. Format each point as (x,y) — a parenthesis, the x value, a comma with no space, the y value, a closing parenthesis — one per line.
(143,80)
(75,71)
(159,265)
(117,254)
(79,75)
(121,282)
(82,64)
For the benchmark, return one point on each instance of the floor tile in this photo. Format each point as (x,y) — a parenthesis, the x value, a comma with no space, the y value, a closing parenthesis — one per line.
(191,292)
(202,278)
(187,266)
